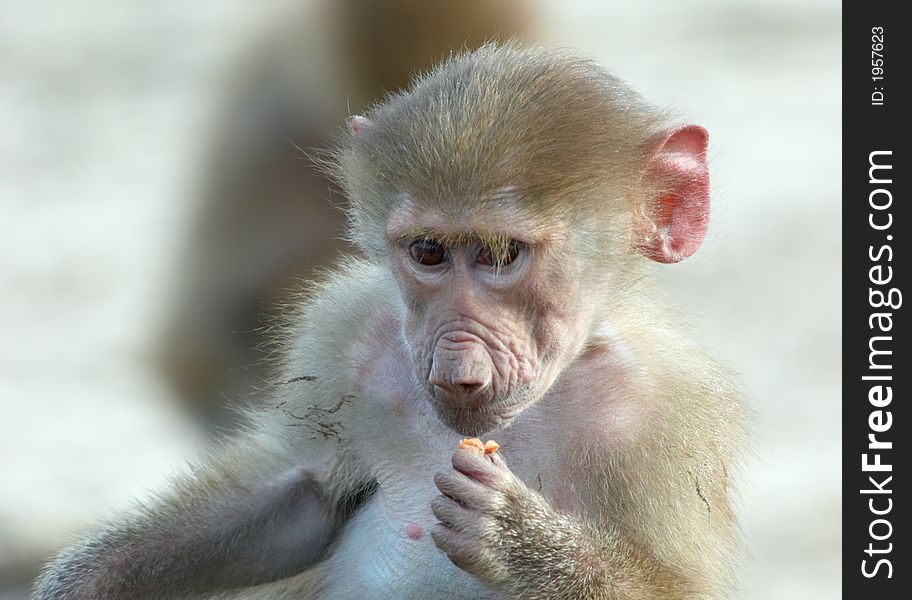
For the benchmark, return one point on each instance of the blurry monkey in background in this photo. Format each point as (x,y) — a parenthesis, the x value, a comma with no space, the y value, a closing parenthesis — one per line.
(509,211)
(268,218)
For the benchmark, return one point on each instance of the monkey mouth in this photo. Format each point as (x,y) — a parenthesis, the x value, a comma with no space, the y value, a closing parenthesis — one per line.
(466,423)
(478,420)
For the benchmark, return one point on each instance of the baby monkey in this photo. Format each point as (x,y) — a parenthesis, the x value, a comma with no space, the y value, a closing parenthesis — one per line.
(509,210)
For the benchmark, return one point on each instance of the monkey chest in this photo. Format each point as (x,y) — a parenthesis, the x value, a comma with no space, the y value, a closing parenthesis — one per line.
(386,551)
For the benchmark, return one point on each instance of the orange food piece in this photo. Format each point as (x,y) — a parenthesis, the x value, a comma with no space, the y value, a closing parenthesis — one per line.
(472,443)
(489,447)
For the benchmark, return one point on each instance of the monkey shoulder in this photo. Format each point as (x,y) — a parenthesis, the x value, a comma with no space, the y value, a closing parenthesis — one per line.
(338,317)
(620,392)
(346,344)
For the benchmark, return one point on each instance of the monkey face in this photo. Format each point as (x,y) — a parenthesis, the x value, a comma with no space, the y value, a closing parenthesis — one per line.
(505,196)
(490,320)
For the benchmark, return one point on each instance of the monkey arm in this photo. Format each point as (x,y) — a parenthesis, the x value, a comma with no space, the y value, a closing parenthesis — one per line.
(250,515)
(575,558)
(494,526)
(655,522)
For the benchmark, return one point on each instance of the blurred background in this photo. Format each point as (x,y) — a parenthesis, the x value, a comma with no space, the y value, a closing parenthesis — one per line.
(154,205)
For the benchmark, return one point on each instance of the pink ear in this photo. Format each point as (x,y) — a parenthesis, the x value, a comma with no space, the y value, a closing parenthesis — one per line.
(678,212)
(358,124)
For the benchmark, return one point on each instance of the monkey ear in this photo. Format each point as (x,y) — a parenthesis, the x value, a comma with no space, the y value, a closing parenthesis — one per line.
(358,124)
(677,211)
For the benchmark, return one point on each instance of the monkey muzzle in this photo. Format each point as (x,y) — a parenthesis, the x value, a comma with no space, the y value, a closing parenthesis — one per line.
(462,376)
(470,386)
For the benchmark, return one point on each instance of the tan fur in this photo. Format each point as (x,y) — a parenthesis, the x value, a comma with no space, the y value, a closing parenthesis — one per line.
(568,137)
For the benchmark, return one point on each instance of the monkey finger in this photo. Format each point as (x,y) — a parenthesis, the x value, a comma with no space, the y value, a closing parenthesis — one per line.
(466,553)
(460,549)
(496,458)
(457,517)
(467,493)
(483,469)
(451,542)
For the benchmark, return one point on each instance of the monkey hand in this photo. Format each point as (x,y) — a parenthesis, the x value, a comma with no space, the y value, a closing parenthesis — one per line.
(492,524)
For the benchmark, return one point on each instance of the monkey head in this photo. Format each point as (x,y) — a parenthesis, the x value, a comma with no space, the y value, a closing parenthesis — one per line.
(516,199)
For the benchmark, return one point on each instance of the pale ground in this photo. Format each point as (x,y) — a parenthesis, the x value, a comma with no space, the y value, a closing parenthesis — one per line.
(100,105)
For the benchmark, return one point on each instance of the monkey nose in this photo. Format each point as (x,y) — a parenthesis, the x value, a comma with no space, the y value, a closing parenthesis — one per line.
(464,381)
(464,388)
(461,373)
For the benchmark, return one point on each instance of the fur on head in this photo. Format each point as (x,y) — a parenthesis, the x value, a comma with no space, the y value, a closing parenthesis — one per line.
(562,135)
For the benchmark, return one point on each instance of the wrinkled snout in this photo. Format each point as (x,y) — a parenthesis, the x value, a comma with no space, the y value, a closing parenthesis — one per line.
(462,375)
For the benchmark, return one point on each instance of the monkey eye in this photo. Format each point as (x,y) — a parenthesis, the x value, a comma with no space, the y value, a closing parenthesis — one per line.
(499,257)
(427,252)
